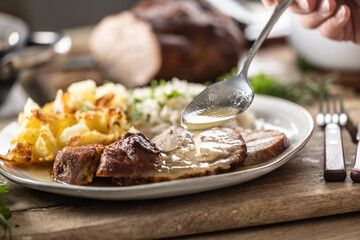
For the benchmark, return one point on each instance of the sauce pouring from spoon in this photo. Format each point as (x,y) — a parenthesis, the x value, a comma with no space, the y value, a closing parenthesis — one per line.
(223,101)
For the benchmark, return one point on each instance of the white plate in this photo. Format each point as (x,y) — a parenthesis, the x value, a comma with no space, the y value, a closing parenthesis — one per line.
(271,113)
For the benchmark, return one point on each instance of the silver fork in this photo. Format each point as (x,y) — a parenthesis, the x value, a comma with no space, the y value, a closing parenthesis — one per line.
(332,120)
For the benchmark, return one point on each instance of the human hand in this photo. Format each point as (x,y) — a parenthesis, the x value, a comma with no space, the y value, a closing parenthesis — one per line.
(334,19)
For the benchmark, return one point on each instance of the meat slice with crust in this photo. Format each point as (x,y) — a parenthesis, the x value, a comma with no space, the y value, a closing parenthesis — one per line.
(134,154)
(263,145)
(77,165)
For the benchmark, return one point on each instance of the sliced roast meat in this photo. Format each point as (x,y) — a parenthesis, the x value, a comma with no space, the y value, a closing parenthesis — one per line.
(77,165)
(221,150)
(170,140)
(217,144)
(263,145)
(133,155)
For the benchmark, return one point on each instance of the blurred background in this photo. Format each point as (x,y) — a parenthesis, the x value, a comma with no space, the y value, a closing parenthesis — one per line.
(43,15)
(195,40)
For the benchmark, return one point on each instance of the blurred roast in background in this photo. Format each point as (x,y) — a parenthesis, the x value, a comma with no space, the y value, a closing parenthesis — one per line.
(163,39)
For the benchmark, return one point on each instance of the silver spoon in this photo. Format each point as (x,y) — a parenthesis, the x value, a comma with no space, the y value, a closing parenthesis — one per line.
(223,101)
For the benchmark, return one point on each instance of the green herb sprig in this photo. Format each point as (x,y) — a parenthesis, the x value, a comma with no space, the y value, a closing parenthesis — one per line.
(134,115)
(5,213)
(302,91)
(173,94)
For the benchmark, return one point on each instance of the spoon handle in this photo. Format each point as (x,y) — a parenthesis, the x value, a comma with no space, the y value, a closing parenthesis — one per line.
(279,9)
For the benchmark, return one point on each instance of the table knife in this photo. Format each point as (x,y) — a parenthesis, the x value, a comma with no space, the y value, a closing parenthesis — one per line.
(334,163)
(355,172)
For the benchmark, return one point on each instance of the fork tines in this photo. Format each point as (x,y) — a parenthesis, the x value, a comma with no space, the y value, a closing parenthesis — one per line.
(334,112)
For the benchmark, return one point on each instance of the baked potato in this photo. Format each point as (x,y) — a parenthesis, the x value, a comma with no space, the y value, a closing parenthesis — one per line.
(83,115)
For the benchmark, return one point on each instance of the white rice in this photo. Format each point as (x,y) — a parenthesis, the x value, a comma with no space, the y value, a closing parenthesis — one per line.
(156,109)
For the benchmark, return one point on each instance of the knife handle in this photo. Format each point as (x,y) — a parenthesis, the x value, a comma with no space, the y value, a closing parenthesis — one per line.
(355,172)
(334,163)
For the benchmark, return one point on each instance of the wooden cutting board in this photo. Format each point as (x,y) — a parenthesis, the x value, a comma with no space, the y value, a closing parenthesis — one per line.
(296,190)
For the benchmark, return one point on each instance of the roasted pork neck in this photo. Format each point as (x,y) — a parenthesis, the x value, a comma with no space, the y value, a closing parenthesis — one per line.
(77,165)
(133,155)
(134,159)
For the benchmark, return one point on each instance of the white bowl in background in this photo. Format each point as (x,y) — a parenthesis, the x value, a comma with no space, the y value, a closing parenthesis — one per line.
(322,52)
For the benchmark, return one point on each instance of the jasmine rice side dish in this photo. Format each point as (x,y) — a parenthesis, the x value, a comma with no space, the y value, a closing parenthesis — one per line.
(154,109)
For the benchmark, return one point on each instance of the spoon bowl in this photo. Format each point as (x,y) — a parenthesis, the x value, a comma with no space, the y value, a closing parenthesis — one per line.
(223,101)
(220,102)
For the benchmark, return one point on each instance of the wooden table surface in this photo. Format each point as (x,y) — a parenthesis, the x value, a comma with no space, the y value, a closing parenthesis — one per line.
(294,199)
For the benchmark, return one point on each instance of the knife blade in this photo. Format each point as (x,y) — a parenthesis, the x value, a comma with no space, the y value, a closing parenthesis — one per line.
(334,162)
(355,172)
